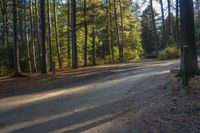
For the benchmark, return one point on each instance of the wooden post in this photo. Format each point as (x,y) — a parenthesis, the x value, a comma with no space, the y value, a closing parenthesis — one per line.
(53,69)
(185,67)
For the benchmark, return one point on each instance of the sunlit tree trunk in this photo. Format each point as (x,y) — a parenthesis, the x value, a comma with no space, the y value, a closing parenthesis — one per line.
(69,33)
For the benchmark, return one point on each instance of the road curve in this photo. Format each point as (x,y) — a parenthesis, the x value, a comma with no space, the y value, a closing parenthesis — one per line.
(97,105)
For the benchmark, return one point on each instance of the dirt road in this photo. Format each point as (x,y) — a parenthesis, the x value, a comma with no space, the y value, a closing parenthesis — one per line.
(111,103)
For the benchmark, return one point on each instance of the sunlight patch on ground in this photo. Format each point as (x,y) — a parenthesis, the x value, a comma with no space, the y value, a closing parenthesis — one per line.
(10,103)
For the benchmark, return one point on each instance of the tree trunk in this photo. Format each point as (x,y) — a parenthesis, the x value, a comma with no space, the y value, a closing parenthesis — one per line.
(16,47)
(74,45)
(86,33)
(188,36)
(117,30)
(177,24)
(37,32)
(56,32)
(164,35)
(50,35)
(26,38)
(122,28)
(43,37)
(34,66)
(69,33)
(111,33)
(93,37)
(154,28)
(169,20)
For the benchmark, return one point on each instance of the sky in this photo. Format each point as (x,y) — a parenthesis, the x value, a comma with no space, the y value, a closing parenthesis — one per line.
(156,5)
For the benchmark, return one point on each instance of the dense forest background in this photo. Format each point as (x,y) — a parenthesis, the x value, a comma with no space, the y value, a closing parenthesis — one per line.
(35,35)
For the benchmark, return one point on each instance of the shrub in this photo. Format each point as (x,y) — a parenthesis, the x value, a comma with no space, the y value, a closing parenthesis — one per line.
(171,52)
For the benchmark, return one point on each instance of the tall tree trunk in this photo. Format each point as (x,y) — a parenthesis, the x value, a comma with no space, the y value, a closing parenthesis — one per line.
(34,66)
(86,33)
(16,46)
(108,40)
(50,35)
(169,20)
(154,28)
(122,28)
(37,33)
(164,35)
(56,32)
(188,36)
(69,33)
(26,38)
(74,44)
(93,37)
(111,32)
(117,30)
(43,36)
(177,24)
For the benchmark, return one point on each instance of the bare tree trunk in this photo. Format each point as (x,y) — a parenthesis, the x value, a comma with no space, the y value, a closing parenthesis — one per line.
(117,30)
(169,20)
(43,37)
(93,37)
(122,26)
(56,32)
(86,33)
(49,34)
(188,36)
(26,38)
(74,44)
(69,33)
(154,28)
(177,24)
(108,27)
(37,32)
(16,46)
(34,66)
(111,33)
(164,35)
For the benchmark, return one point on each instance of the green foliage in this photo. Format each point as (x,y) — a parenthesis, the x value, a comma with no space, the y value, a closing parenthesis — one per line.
(171,52)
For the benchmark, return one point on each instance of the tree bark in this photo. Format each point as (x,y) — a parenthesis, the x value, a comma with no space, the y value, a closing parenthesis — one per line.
(122,28)
(26,38)
(37,33)
(164,35)
(56,32)
(16,46)
(188,36)
(43,37)
(154,28)
(74,44)
(50,35)
(117,30)
(34,66)
(86,33)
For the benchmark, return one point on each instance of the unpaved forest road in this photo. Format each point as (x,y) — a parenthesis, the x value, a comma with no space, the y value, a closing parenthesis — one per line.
(106,104)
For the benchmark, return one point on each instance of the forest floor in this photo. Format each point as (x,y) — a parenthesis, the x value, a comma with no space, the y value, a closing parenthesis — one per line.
(122,98)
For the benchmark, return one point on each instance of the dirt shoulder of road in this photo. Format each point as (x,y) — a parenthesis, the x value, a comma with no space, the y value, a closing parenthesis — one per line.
(176,109)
